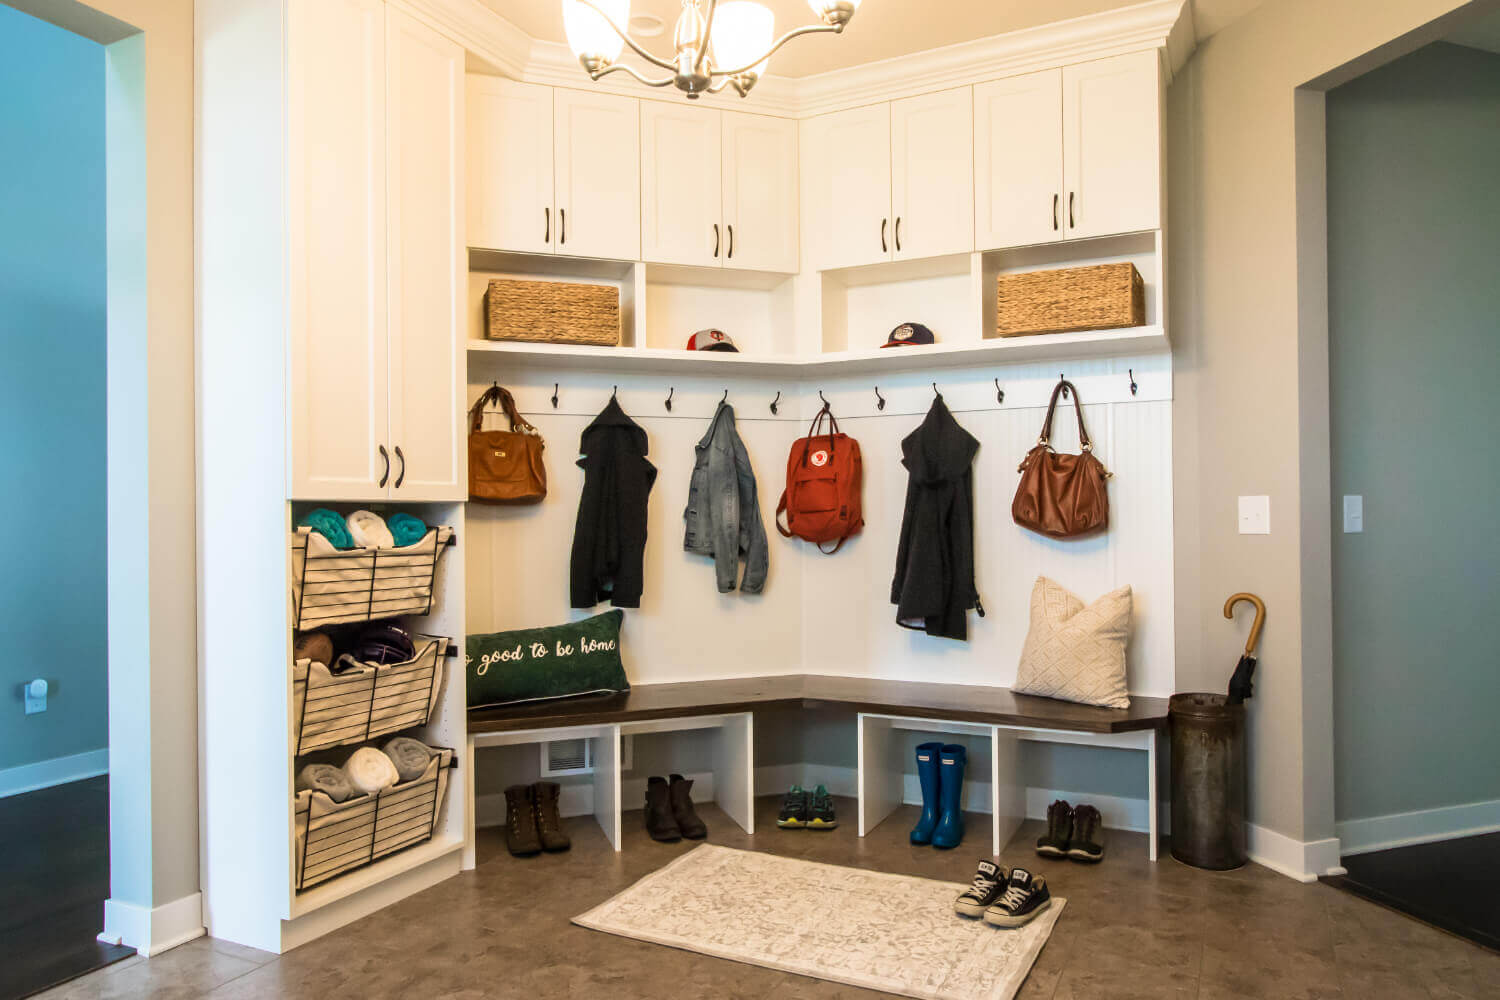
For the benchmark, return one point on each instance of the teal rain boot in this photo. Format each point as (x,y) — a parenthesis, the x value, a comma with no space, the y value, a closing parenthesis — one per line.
(927,774)
(950,828)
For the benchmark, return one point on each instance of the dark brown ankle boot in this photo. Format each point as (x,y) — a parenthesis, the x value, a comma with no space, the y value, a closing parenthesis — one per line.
(521,837)
(688,822)
(548,821)
(660,821)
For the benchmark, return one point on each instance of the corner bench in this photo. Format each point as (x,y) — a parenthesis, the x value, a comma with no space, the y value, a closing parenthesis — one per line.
(883,707)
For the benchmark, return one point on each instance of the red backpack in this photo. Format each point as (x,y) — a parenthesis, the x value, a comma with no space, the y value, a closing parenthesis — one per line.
(824,475)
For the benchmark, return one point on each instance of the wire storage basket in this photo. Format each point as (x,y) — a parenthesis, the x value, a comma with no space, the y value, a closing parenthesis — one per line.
(367,701)
(336,587)
(338,837)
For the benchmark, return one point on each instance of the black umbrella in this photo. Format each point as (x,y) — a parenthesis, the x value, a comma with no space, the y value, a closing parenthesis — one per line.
(1240,687)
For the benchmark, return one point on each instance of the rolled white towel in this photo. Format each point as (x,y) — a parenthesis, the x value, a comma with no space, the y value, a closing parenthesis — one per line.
(370,771)
(369,531)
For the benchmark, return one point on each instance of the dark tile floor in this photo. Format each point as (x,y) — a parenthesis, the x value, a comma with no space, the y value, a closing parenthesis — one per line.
(1131,929)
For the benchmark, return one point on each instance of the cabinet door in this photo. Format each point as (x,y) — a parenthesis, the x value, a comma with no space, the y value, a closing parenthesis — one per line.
(1112,145)
(680,199)
(597,165)
(760,192)
(846,176)
(1018,161)
(426,259)
(509,139)
(932,174)
(337,241)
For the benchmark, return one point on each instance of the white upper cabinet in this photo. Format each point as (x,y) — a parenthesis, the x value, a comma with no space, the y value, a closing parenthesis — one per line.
(336,195)
(759,192)
(509,133)
(1112,145)
(846,180)
(932,174)
(1018,161)
(681,203)
(597,175)
(426,259)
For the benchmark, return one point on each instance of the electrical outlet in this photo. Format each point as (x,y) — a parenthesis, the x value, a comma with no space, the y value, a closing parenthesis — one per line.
(36,696)
(1354,514)
(1255,515)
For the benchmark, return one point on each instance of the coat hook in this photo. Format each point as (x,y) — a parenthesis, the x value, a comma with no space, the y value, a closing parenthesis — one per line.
(670,390)
(880,404)
(1064,380)
(774,410)
(823,398)
(1133,386)
(999,392)
(724,398)
(554,395)
(614,393)
(935,391)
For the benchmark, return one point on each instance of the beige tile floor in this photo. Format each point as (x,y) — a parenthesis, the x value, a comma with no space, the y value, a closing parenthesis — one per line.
(1131,929)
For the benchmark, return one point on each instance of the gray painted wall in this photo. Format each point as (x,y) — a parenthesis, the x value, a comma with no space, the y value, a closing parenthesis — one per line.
(1414,283)
(52,339)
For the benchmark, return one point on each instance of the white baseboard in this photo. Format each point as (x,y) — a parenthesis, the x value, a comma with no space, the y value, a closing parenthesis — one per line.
(152,930)
(1303,860)
(1379,833)
(57,771)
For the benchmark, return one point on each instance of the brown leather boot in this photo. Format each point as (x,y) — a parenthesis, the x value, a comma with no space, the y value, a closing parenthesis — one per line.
(660,822)
(548,821)
(688,822)
(521,837)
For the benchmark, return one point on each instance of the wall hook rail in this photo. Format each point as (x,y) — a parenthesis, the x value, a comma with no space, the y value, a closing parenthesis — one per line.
(879,399)
(999,392)
(554,395)
(1133,387)
(774,410)
(670,391)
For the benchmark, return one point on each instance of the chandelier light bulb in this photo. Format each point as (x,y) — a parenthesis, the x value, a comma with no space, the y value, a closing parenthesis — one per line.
(589,35)
(742,31)
(837,12)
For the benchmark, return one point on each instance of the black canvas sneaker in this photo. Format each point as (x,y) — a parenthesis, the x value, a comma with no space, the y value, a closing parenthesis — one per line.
(1088,835)
(1054,843)
(1025,896)
(986,890)
(793,815)
(820,812)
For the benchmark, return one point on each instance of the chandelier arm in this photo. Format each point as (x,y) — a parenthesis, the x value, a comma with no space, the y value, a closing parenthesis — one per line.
(811,29)
(636,48)
(665,81)
(708,27)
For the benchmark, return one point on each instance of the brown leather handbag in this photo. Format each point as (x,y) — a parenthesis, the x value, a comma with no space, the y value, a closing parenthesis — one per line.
(1062,496)
(505,466)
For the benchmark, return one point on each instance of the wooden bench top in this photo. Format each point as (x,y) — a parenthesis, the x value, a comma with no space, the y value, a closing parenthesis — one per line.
(917,699)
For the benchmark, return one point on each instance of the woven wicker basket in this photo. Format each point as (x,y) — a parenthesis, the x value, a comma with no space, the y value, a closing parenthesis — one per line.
(1102,297)
(552,312)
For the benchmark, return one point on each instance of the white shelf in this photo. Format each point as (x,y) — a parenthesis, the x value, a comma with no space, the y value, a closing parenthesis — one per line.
(644,360)
(360,879)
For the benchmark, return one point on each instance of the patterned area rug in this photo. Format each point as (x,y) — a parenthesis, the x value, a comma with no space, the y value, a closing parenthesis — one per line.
(894,933)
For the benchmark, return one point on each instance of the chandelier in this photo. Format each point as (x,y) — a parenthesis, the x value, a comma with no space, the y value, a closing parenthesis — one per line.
(726,45)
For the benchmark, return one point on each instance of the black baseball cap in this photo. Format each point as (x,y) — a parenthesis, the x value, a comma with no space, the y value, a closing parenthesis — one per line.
(909,335)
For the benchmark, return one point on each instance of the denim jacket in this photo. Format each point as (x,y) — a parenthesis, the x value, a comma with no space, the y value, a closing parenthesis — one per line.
(723,511)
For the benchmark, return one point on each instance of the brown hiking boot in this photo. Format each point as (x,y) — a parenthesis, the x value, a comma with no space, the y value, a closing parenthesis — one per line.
(1054,843)
(548,821)
(1088,835)
(521,837)
(661,823)
(688,822)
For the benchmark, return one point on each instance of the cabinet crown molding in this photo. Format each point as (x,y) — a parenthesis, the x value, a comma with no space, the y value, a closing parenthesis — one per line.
(497,46)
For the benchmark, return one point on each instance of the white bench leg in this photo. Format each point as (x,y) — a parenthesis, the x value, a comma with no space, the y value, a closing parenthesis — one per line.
(607,803)
(1008,808)
(467,776)
(734,770)
(880,776)
(1152,804)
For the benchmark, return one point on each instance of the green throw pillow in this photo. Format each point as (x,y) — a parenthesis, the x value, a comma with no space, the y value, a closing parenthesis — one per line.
(534,664)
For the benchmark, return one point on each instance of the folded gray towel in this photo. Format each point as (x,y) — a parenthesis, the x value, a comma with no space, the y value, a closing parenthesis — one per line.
(410,757)
(325,778)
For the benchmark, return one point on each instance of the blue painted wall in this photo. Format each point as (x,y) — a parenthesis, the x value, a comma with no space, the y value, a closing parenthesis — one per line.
(52,364)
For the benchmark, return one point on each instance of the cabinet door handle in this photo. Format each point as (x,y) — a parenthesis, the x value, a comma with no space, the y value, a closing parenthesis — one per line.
(730,255)
(716,240)
(898,234)
(1055,200)
(400,476)
(883,224)
(1072,224)
(386,475)
(562,225)
(546,224)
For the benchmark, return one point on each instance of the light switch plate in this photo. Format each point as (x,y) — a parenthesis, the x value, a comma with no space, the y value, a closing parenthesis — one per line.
(1255,515)
(1354,514)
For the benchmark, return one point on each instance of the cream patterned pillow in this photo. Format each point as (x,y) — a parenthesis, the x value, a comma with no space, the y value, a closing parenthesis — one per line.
(1076,653)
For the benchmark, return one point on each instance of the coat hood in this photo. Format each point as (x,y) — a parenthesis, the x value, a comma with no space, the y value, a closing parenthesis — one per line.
(939,450)
(612,419)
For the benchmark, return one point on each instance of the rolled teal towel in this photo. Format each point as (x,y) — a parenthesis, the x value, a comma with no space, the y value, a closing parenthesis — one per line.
(406,529)
(328,524)
(410,757)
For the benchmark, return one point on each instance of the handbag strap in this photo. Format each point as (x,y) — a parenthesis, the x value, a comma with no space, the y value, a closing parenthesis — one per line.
(1083,434)
(497,394)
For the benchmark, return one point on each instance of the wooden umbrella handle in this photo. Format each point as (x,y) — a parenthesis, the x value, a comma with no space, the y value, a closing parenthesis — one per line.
(1255,627)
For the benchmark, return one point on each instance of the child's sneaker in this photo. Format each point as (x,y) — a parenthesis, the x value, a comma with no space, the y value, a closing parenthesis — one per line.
(793,815)
(820,814)
(1025,896)
(988,887)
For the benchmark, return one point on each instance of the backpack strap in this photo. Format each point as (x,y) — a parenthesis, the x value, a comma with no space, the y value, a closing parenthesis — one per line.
(781,509)
(836,546)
